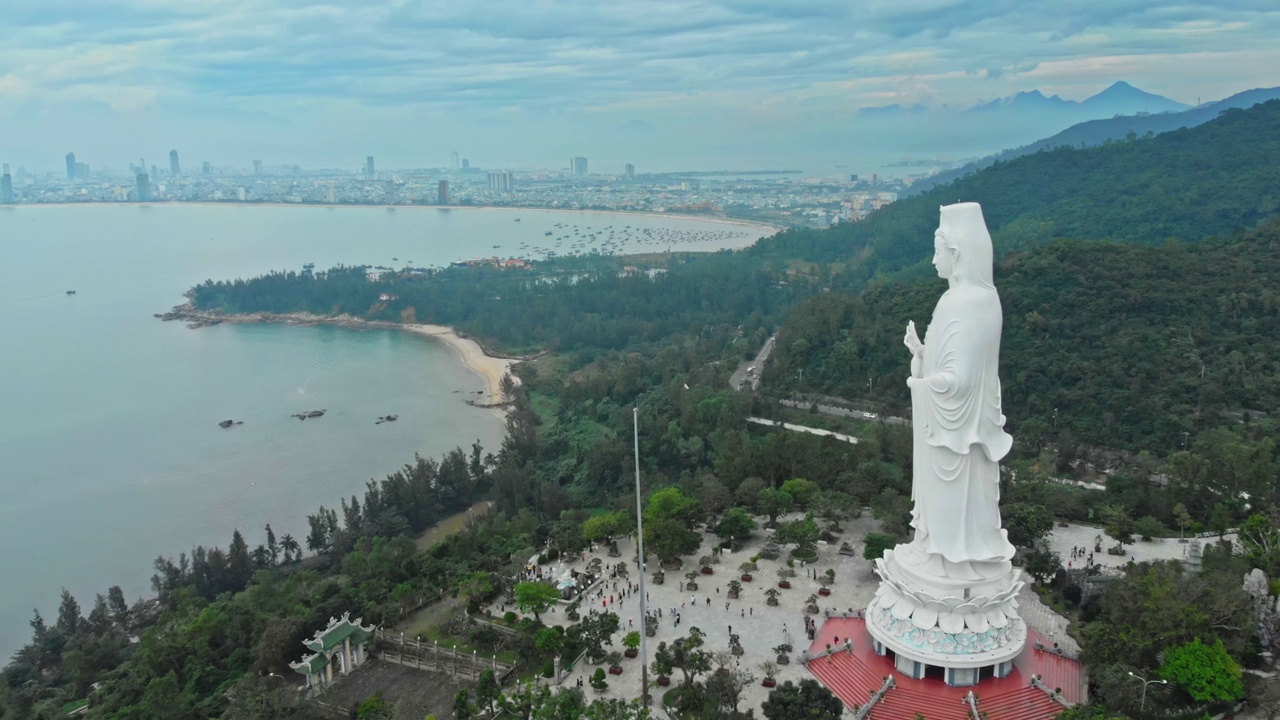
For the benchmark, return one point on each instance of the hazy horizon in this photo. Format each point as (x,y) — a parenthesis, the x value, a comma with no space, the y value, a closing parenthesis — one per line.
(664,85)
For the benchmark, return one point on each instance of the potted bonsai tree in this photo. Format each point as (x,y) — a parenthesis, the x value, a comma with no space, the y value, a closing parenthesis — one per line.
(615,663)
(650,626)
(735,644)
(772,595)
(692,583)
(746,569)
(781,651)
(826,580)
(572,610)
(632,644)
(704,563)
(784,577)
(598,682)
(770,671)
(662,664)
(659,577)
(811,604)
(735,588)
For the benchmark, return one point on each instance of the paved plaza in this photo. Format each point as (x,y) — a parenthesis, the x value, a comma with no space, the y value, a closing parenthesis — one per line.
(761,627)
(1074,535)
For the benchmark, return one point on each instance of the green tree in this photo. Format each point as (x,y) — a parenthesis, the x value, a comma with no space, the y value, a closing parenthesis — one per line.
(1207,672)
(1119,525)
(1183,517)
(875,545)
(808,700)
(671,504)
(804,533)
(773,503)
(802,492)
(535,597)
(488,691)
(688,655)
(609,525)
(663,663)
(462,707)
(736,524)
(1148,527)
(1042,563)
(835,506)
(670,538)
(1026,522)
(376,708)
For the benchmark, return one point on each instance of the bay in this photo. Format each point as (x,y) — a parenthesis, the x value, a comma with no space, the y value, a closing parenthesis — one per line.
(110,451)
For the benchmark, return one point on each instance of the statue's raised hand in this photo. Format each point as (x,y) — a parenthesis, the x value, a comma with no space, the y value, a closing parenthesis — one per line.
(912,340)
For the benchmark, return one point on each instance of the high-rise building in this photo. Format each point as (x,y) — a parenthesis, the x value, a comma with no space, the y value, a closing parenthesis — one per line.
(154,172)
(240,194)
(330,196)
(257,167)
(578,165)
(500,181)
(6,187)
(442,193)
(206,168)
(144,187)
(466,164)
(6,169)
(455,159)
(631,171)
(368,167)
(82,170)
(174,170)
(71,166)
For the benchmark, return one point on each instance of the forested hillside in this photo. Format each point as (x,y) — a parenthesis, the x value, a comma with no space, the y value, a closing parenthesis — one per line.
(1123,345)
(1188,184)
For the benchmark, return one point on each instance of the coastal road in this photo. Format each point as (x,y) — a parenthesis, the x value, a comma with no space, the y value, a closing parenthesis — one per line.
(748,373)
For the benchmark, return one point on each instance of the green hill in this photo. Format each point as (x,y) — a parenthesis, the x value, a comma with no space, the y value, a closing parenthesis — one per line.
(1188,184)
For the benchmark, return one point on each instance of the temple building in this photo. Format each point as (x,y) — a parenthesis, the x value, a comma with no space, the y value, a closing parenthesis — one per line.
(343,644)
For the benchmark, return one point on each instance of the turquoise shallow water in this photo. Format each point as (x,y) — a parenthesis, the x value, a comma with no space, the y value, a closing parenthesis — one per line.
(110,452)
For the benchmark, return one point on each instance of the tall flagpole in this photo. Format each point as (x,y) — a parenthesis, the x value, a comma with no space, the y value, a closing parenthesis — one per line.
(644,613)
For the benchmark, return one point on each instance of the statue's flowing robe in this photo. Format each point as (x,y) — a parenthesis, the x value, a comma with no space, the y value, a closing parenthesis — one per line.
(959,431)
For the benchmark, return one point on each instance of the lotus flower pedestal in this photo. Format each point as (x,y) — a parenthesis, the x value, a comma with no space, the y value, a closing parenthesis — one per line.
(968,625)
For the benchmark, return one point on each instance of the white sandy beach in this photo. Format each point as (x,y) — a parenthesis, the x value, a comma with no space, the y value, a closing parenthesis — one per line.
(473,356)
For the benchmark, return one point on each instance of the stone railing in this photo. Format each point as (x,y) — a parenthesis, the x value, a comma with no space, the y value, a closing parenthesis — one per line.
(1056,650)
(1053,694)
(805,657)
(876,697)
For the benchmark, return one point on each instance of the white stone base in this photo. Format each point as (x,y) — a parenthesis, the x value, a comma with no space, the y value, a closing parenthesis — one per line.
(960,625)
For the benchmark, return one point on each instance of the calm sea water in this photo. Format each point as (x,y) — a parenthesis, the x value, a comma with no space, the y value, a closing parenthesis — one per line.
(110,452)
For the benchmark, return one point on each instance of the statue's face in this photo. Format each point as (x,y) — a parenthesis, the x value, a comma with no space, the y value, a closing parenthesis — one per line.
(942,259)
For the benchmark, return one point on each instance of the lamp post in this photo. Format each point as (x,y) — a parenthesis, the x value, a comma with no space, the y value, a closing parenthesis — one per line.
(644,613)
(1142,705)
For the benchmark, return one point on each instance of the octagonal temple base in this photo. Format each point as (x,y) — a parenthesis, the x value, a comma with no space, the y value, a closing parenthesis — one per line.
(968,626)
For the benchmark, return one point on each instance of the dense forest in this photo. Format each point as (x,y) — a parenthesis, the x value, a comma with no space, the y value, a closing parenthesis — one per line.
(1120,335)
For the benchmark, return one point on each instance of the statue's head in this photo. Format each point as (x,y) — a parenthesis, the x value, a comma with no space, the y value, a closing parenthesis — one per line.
(964,244)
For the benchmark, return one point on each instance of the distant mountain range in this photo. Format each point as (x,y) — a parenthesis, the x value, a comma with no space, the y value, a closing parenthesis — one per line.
(1120,98)
(1097,132)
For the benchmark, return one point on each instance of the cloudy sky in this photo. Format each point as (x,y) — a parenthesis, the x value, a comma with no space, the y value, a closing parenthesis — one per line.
(664,84)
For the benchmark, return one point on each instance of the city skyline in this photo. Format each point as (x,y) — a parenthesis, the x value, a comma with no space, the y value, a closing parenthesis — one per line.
(700,83)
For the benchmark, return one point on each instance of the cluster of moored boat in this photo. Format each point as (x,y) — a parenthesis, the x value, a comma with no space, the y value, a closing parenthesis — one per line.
(572,239)
(310,414)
